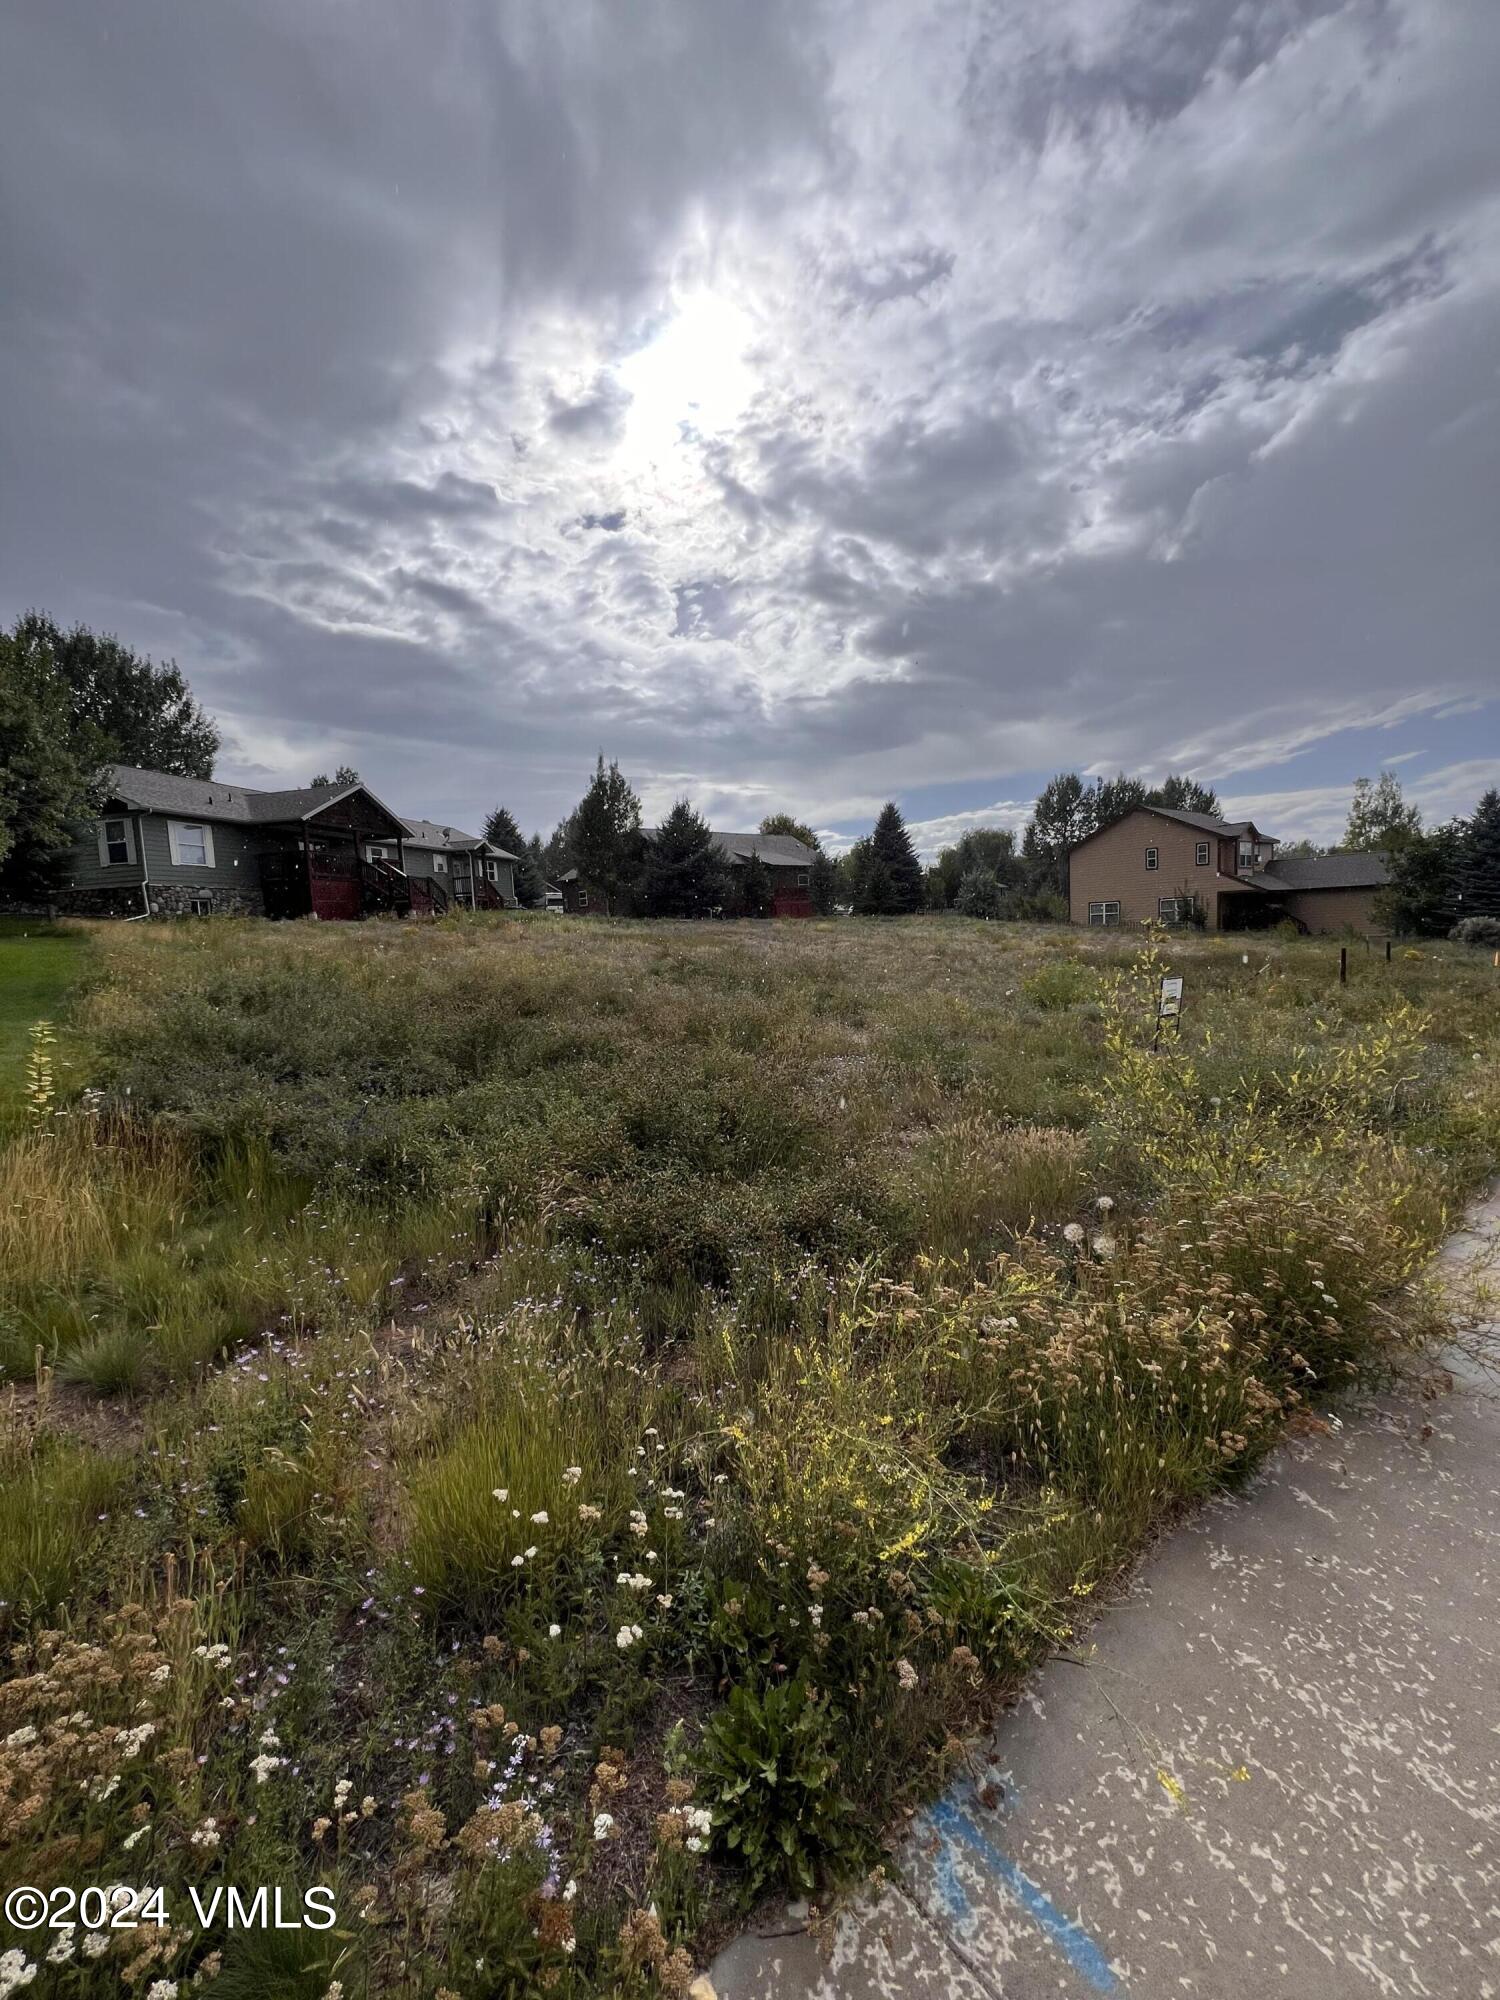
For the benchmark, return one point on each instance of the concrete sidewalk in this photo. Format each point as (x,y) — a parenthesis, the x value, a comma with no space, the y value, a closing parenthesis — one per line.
(1276,1770)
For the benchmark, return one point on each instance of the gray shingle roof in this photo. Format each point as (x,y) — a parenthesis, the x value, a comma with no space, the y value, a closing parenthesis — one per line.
(1343,869)
(777,850)
(431,833)
(212,798)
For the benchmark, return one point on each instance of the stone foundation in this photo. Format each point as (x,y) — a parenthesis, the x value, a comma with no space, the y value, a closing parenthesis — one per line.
(167,899)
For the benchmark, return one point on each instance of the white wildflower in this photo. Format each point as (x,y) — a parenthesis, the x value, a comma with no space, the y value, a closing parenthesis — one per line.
(554,1631)
(604,1825)
(264,1765)
(907,1674)
(572,1474)
(539,1520)
(502,1493)
(22,1738)
(626,1637)
(16,1971)
(1073,1233)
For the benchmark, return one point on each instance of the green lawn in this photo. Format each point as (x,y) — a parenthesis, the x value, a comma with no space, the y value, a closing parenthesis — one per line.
(38,964)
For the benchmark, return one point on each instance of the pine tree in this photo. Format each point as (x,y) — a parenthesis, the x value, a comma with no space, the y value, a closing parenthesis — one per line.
(501,829)
(685,874)
(893,886)
(604,836)
(1479,860)
(1422,896)
(754,886)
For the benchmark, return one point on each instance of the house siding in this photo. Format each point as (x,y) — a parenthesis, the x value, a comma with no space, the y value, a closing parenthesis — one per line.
(1327,910)
(1112,868)
(95,888)
(87,871)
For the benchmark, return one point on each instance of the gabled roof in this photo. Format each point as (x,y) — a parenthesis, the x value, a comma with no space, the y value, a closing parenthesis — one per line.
(1345,868)
(1222,829)
(213,799)
(777,850)
(429,833)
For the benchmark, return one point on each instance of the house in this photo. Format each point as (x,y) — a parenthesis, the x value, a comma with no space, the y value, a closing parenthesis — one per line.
(170,846)
(1164,866)
(787,862)
(471,870)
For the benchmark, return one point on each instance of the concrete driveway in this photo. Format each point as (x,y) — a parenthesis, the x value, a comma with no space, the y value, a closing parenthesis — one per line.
(1274,1769)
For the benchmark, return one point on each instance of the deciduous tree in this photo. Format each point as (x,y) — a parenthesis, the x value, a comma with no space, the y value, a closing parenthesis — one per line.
(44,786)
(122,707)
(1380,820)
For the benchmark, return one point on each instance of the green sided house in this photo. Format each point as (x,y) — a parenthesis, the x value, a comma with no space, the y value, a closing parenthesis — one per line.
(170,846)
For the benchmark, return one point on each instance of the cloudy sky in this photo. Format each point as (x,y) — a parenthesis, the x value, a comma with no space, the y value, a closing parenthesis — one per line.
(806,402)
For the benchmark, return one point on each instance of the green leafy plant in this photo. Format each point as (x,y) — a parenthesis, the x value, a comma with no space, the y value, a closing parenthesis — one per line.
(768,1763)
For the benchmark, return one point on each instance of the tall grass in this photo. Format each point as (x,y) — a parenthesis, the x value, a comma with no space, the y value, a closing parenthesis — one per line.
(506,1339)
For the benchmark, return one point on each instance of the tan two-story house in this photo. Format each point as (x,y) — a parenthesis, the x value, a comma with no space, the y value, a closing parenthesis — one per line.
(1160,865)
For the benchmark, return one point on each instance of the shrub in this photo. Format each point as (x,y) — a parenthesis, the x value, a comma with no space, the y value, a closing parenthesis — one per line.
(1477,930)
(1063,983)
(770,1769)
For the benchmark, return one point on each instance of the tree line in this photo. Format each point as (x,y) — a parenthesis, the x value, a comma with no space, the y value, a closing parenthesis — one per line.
(74,701)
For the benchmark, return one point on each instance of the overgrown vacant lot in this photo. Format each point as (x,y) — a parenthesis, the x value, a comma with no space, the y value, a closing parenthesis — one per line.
(556,1429)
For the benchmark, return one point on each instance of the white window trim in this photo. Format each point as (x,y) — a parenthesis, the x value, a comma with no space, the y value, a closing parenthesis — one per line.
(1201,854)
(375,852)
(804,878)
(439,864)
(1153,860)
(116,819)
(1104,921)
(176,828)
(1173,909)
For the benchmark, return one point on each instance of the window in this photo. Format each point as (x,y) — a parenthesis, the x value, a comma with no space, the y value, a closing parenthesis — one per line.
(1174,909)
(192,843)
(202,906)
(1104,913)
(439,864)
(804,878)
(583,899)
(116,843)
(1153,860)
(1249,856)
(378,853)
(1200,854)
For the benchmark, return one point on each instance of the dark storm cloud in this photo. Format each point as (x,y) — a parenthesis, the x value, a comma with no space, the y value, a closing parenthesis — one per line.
(1083,380)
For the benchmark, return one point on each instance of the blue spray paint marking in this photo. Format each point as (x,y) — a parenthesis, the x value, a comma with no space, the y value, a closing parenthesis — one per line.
(1075,1944)
(952,1891)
